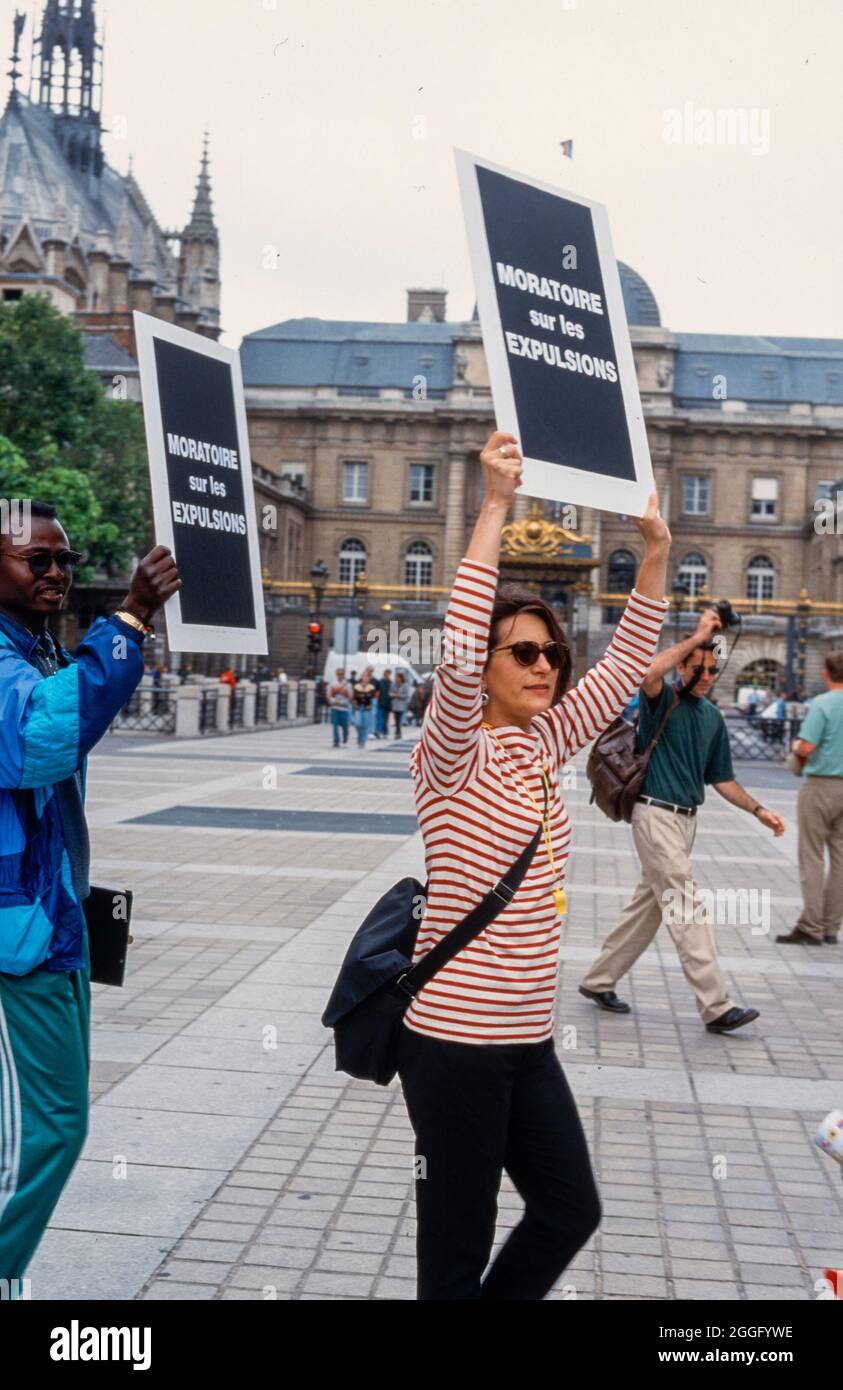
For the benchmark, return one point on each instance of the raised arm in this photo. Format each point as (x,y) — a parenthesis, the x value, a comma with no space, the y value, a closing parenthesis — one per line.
(605,690)
(450,750)
(664,661)
(51,723)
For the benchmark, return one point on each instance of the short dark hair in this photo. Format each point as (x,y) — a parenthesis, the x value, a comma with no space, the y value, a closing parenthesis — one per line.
(45,509)
(510,600)
(834,666)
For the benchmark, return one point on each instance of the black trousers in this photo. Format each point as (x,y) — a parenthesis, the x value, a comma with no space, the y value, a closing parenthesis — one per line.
(477,1111)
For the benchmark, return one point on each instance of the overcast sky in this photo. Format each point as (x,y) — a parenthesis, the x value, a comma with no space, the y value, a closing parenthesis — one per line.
(332,124)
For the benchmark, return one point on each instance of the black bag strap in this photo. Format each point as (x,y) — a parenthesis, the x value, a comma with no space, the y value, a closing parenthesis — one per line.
(478,918)
(660,730)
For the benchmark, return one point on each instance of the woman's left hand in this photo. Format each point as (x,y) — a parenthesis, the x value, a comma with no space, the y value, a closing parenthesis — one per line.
(653,526)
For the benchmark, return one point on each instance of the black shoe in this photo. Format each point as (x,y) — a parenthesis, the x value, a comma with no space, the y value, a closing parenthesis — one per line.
(606,999)
(732,1019)
(831,940)
(800,936)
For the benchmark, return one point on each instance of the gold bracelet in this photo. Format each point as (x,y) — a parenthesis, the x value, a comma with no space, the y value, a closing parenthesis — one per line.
(133,621)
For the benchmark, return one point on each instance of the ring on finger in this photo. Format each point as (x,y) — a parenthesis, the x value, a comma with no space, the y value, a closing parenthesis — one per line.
(503,450)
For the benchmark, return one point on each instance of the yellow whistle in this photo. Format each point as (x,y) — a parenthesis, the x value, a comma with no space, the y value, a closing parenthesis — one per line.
(561,901)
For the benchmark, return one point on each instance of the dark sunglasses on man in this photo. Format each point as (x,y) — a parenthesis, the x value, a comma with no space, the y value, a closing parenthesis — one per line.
(527,653)
(41,561)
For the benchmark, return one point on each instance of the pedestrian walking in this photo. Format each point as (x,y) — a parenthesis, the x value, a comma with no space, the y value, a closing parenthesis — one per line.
(483,1086)
(420,699)
(399,699)
(364,695)
(56,707)
(382,704)
(692,752)
(339,703)
(820,813)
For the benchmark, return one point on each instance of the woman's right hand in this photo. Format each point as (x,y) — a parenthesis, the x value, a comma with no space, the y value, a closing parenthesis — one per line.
(501,473)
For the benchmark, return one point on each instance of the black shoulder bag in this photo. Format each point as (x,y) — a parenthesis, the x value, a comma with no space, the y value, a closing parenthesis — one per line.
(377,979)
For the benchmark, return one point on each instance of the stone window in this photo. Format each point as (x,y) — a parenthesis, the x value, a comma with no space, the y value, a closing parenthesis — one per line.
(761,578)
(418,565)
(352,560)
(765,499)
(693,573)
(355,482)
(696,494)
(421,482)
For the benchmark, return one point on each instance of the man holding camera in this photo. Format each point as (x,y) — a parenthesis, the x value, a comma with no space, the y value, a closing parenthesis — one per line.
(692,752)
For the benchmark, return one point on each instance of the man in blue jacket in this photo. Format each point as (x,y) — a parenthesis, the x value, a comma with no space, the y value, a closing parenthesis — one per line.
(53,709)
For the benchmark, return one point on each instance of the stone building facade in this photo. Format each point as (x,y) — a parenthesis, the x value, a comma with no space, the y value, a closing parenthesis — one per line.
(383,422)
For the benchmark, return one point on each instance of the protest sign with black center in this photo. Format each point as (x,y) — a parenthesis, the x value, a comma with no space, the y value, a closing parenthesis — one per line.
(556,338)
(202,495)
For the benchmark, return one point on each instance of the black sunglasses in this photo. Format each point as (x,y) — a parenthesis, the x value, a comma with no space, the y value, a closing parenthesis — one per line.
(41,561)
(527,653)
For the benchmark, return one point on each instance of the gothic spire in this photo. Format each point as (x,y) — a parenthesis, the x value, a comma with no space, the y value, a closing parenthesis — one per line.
(14,70)
(202,217)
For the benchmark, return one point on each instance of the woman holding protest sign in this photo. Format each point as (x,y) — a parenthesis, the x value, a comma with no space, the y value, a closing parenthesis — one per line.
(483,1086)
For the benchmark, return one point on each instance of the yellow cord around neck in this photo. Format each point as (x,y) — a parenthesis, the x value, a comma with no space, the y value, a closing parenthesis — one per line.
(559,897)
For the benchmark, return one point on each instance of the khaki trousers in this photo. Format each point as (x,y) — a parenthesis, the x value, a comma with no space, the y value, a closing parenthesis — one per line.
(821,828)
(664,842)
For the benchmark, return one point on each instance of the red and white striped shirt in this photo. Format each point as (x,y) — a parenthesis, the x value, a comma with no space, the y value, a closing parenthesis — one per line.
(476,818)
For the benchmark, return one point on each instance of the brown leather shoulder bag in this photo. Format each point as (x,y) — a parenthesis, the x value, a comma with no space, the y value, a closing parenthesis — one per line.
(615,770)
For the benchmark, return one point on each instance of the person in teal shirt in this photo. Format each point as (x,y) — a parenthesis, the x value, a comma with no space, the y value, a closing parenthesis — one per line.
(692,752)
(820,813)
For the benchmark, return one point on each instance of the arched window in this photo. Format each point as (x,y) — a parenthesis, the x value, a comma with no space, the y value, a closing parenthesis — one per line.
(621,573)
(620,578)
(693,572)
(352,559)
(765,673)
(761,577)
(418,565)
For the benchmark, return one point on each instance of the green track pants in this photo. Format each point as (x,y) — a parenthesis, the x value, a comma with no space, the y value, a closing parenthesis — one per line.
(44,1063)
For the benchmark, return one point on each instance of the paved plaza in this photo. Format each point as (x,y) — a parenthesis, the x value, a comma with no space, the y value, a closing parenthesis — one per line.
(228,1160)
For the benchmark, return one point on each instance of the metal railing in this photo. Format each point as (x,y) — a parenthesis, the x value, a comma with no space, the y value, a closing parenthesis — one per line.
(208,711)
(261,702)
(148,711)
(235,709)
(761,740)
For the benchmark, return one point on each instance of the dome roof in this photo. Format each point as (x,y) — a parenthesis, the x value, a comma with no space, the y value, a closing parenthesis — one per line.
(639,301)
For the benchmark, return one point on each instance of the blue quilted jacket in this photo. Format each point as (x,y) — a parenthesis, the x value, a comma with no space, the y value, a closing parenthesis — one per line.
(48,725)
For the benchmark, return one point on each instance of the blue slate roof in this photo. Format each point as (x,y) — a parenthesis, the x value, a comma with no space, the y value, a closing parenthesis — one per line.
(345,354)
(103,354)
(767,371)
(361,359)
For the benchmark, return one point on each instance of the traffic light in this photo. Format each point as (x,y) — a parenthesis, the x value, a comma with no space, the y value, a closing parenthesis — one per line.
(314,638)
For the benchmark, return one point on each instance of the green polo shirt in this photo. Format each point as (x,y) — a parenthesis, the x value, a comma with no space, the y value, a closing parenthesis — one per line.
(693,750)
(823,725)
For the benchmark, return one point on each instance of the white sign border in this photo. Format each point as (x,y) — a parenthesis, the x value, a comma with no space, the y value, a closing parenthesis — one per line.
(541,477)
(183,636)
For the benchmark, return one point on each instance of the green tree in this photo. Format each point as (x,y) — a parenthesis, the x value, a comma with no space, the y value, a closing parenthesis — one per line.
(71,492)
(80,449)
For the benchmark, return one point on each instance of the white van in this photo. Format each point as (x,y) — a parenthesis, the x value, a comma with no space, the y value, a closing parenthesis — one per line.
(358,661)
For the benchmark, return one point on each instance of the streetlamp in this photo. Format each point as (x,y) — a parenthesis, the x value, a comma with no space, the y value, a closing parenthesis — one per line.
(679,589)
(319,577)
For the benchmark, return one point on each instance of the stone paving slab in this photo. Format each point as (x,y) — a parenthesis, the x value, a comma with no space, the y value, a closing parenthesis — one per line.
(253,1169)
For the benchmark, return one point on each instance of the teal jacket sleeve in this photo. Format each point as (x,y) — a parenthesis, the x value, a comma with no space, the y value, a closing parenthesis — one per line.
(50,723)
